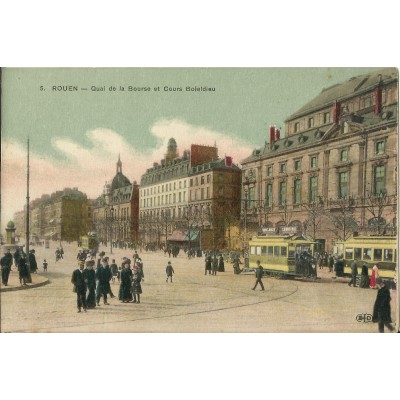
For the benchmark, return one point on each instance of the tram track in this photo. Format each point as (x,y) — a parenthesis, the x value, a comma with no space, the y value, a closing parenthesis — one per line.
(102,310)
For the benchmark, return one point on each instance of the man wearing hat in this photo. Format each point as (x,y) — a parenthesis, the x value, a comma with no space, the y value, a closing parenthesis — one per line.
(80,287)
(90,279)
(259,275)
(102,282)
(6,263)
(32,261)
(382,314)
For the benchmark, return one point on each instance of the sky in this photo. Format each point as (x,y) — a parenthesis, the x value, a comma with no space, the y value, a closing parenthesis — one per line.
(77,136)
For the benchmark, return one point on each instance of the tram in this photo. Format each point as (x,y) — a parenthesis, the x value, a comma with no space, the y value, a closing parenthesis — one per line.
(90,241)
(284,256)
(371,250)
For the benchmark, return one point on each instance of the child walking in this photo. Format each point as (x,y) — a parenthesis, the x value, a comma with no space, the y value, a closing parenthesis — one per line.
(169,270)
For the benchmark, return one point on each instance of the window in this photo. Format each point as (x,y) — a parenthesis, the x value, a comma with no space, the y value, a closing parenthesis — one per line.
(270,251)
(387,254)
(310,122)
(208,192)
(252,196)
(276,251)
(343,184)
(282,168)
(180,184)
(379,179)
(357,253)
(258,250)
(283,251)
(197,180)
(296,127)
(202,180)
(268,195)
(380,147)
(297,165)
(269,170)
(367,101)
(313,161)
(191,182)
(327,118)
(180,197)
(313,189)
(297,191)
(264,250)
(377,254)
(348,254)
(184,184)
(202,193)
(367,253)
(343,155)
(208,178)
(282,193)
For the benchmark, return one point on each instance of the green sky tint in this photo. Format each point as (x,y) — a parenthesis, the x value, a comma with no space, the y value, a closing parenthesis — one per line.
(245,102)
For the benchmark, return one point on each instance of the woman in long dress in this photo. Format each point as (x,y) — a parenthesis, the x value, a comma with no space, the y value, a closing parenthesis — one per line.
(364,280)
(374,276)
(125,294)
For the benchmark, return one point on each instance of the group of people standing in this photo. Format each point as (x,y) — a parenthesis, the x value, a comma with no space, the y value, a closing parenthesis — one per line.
(92,285)
(20,260)
(214,264)
(365,281)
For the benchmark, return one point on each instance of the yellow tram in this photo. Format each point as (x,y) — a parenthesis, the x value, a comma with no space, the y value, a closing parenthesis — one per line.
(371,250)
(90,241)
(279,255)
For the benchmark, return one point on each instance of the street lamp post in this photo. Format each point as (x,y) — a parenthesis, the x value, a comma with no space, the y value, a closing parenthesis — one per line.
(109,224)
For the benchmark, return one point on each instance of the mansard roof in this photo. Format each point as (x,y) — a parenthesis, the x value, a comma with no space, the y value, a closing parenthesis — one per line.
(353,87)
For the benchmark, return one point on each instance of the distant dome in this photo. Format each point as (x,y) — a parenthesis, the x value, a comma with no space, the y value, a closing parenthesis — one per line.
(11,225)
(119,181)
(172,143)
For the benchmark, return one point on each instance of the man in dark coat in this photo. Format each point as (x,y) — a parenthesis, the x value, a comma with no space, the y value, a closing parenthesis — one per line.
(354,273)
(214,265)
(169,270)
(90,279)
(107,275)
(208,265)
(23,270)
(381,313)
(102,289)
(259,275)
(80,286)
(32,261)
(6,263)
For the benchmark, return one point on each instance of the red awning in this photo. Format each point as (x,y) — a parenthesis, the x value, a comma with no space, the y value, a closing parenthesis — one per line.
(176,236)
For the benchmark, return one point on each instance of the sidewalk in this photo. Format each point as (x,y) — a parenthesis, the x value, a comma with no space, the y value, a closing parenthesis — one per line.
(13,282)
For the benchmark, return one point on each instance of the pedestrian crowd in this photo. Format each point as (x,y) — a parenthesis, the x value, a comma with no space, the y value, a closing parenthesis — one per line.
(93,285)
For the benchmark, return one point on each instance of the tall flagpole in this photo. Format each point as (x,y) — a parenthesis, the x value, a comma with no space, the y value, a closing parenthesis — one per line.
(27,233)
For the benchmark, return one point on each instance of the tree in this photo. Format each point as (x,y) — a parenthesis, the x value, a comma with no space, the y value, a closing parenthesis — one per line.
(376,205)
(315,214)
(341,217)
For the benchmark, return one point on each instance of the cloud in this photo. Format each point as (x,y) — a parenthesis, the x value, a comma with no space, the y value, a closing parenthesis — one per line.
(89,167)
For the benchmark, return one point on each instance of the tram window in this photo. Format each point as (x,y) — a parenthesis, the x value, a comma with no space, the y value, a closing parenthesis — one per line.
(252,249)
(292,254)
(348,254)
(367,253)
(377,254)
(283,251)
(264,250)
(388,254)
(270,251)
(276,251)
(357,253)
(258,250)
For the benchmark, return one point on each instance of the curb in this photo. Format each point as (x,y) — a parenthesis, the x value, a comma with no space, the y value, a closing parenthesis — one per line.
(29,286)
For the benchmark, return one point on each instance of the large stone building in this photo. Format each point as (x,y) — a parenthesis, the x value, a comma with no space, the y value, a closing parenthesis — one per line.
(116,210)
(335,171)
(181,197)
(63,215)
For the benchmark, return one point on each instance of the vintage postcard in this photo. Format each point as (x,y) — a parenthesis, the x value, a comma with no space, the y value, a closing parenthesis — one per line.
(199,200)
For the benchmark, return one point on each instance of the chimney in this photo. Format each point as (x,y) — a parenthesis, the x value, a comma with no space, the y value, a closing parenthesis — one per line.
(271,135)
(277,133)
(228,161)
(378,99)
(336,111)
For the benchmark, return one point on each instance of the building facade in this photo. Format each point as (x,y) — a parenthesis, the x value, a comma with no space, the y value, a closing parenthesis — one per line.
(178,197)
(115,212)
(64,215)
(335,171)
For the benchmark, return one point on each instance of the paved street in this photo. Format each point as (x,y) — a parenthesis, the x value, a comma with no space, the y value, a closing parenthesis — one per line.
(192,303)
